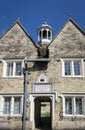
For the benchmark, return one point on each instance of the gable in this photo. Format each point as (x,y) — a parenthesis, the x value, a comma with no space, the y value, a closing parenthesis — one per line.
(16,43)
(70,42)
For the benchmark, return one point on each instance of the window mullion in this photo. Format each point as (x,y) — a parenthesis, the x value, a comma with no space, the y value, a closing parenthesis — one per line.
(74,106)
(11,106)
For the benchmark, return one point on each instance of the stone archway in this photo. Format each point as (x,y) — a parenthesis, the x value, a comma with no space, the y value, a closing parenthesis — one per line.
(43,112)
(42,104)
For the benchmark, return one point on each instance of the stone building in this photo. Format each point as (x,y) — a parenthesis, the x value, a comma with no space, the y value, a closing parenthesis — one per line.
(56,89)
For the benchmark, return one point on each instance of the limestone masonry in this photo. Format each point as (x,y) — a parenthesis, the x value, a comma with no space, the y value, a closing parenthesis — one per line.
(56,88)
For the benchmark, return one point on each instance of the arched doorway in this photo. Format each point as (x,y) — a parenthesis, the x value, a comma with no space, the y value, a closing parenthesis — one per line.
(43,113)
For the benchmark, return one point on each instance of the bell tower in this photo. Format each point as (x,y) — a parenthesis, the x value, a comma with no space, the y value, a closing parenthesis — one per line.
(44,34)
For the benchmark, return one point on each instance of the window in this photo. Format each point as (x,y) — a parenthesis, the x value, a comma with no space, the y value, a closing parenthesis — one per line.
(78,105)
(7,105)
(12,105)
(40,34)
(68,105)
(17,105)
(42,79)
(77,66)
(44,34)
(72,67)
(9,69)
(13,68)
(73,105)
(67,68)
(18,68)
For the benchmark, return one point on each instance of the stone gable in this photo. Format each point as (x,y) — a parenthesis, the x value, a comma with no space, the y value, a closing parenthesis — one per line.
(16,43)
(70,42)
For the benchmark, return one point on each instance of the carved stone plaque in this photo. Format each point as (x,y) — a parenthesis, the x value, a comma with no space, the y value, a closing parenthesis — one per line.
(42,88)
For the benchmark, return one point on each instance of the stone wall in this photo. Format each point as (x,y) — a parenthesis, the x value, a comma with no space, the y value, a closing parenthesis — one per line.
(69,43)
(16,44)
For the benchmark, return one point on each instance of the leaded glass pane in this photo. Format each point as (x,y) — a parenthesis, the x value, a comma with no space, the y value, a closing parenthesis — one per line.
(77,66)
(68,105)
(18,68)
(9,71)
(7,104)
(67,68)
(17,105)
(78,105)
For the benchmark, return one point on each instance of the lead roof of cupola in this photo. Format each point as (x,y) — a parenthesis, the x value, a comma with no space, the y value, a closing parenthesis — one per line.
(45,25)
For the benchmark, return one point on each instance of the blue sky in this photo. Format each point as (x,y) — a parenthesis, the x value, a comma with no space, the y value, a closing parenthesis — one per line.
(32,14)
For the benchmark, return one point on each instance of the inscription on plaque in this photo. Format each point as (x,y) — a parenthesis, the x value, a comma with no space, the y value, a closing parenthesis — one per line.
(42,88)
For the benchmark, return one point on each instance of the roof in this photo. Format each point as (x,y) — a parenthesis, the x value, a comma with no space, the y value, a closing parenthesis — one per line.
(45,25)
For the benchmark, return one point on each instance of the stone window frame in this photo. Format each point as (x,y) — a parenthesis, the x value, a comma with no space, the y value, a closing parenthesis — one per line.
(72,60)
(73,97)
(11,113)
(14,66)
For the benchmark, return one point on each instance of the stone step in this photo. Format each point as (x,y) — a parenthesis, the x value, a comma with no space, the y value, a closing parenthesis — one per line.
(42,129)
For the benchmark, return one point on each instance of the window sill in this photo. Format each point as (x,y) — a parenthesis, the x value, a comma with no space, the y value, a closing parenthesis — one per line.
(9,116)
(80,76)
(11,77)
(73,116)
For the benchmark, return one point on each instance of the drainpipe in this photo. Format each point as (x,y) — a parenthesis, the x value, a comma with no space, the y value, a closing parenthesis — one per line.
(25,97)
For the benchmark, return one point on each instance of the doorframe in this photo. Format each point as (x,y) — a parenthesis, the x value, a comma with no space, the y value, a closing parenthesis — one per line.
(32,97)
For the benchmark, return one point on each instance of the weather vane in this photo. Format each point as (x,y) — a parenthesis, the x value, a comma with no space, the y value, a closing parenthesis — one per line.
(44,18)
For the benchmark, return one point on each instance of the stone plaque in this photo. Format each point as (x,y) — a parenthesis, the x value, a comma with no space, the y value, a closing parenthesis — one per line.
(42,88)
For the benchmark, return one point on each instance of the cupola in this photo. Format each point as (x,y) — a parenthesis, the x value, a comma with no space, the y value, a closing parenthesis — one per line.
(44,33)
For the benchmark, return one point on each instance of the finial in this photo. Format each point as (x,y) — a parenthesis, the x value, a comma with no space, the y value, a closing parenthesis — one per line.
(69,16)
(44,18)
(18,19)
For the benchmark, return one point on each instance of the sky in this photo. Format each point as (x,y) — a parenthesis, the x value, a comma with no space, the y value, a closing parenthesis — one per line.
(32,13)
